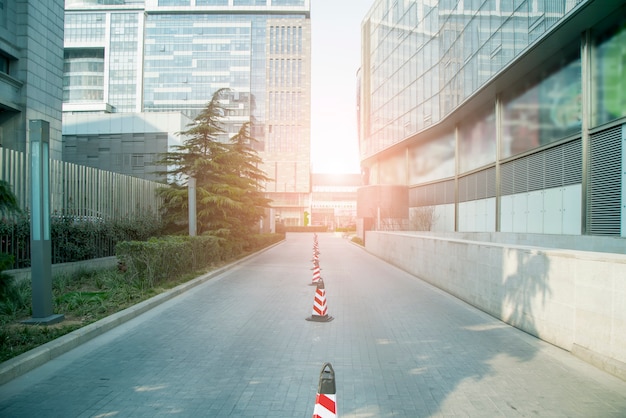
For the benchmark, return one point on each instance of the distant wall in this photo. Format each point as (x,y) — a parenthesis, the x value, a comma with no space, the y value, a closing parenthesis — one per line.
(570,298)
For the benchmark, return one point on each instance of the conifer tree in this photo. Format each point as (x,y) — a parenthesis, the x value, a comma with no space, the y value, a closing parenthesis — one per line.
(228,180)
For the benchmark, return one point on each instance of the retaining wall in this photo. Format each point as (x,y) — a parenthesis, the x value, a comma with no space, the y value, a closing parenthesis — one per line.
(68,268)
(573,299)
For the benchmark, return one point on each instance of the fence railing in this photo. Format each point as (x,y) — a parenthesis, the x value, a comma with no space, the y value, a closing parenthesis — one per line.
(81,193)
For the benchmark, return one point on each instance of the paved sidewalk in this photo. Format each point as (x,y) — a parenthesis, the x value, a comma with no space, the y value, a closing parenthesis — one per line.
(239,346)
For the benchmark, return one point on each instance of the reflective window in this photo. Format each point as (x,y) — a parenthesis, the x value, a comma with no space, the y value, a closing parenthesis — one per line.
(433,160)
(124,52)
(83,75)
(85,27)
(287,2)
(544,113)
(249,2)
(425,61)
(477,142)
(174,2)
(609,82)
(212,2)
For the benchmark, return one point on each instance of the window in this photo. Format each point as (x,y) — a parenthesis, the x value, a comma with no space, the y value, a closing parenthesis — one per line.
(609,83)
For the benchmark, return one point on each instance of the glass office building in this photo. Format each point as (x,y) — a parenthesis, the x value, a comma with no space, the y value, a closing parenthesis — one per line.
(172,55)
(498,115)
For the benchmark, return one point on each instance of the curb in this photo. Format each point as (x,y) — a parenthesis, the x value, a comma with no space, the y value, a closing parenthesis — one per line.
(36,357)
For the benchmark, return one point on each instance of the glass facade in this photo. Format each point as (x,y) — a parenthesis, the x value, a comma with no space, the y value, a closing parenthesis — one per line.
(83,75)
(499,116)
(425,58)
(546,112)
(188,57)
(609,67)
(477,142)
(125,55)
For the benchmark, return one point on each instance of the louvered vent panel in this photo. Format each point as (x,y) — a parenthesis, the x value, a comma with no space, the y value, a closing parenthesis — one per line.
(481,184)
(413,196)
(478,185)
(555,167)
(491,182)
(463,189)
(440,193)
(535,171)
(572,163)
(604,184)
(449,185)
(553,160)
(520,168)
(432,194)
(507,181)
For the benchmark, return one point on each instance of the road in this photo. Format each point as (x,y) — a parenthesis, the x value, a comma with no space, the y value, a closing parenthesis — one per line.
(239,345)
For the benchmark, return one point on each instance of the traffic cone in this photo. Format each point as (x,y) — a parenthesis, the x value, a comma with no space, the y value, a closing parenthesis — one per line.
(320,311)
(317,274)
(326,399)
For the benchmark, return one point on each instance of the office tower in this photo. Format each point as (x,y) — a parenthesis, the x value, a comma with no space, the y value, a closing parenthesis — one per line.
(495,116)
(31,50)
(126,61)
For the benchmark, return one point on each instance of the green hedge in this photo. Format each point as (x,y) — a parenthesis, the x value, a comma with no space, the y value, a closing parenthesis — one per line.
(169,257)
(75,238)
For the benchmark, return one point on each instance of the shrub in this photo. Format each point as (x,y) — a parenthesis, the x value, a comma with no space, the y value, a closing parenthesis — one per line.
(357,240)
(149,262)
(76,238)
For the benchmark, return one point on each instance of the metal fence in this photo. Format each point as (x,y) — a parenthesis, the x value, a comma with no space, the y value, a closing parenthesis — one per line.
(80,193)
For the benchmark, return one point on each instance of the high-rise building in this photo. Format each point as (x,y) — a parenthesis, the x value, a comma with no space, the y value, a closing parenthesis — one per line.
(493,138)
(496,116)
(31,65)
(143,57)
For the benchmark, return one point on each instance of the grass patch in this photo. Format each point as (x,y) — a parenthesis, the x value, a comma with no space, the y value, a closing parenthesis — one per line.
(88,296)
(84,297)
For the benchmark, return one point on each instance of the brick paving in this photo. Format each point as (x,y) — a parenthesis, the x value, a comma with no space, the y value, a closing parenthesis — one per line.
(239,346)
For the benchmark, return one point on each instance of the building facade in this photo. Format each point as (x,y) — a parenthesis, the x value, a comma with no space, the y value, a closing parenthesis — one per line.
(492,140)
(498,116)
(31,70)
(161,56)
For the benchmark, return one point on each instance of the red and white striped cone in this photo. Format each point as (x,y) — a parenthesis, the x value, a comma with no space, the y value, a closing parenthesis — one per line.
(326,399)
(320,310)
(317,274)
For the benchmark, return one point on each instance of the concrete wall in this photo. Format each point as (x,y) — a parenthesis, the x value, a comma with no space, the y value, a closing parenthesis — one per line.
(68,268)
(573,299)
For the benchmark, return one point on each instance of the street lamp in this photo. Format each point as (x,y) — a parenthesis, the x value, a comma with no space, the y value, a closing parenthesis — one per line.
(40,246)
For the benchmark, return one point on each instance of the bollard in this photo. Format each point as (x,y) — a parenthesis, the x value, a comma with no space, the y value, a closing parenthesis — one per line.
(326,399)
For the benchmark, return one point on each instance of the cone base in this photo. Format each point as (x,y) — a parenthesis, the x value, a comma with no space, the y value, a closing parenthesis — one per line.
(317,318)
(313,284)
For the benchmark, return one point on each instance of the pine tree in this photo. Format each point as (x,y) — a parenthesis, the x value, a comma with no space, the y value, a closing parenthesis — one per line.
(228,181)
(8,201)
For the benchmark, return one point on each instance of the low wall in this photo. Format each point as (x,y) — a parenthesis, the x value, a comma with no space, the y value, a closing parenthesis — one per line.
(573,299)
(68,268)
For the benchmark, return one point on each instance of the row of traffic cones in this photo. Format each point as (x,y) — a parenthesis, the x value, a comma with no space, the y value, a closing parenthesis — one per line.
(326,398)
(320,310)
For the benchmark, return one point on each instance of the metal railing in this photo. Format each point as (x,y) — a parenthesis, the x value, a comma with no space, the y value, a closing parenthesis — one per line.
(80,193)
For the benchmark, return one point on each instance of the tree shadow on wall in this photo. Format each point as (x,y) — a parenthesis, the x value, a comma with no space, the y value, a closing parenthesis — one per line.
(526,289)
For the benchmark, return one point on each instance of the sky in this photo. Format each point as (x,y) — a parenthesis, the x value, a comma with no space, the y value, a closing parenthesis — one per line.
(335,59)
